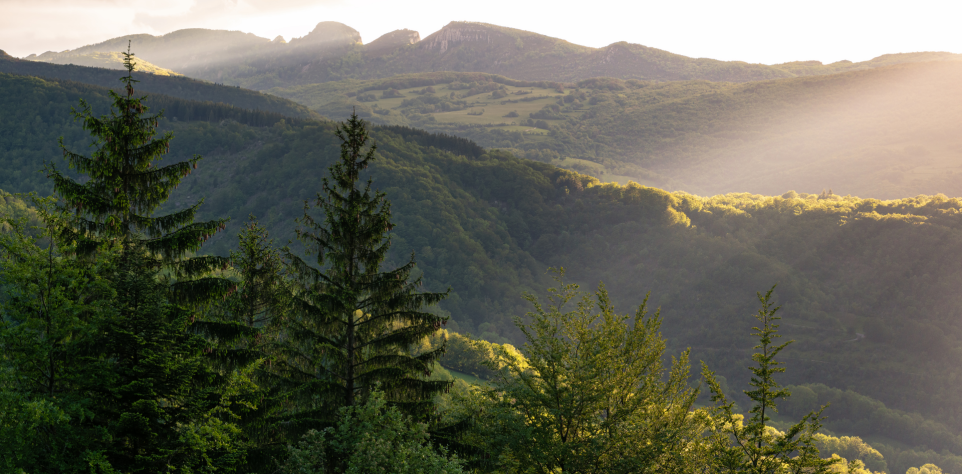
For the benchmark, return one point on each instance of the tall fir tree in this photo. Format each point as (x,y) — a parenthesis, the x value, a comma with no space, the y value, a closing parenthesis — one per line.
(754,446)
(116,204)
(163,402)
(354,324)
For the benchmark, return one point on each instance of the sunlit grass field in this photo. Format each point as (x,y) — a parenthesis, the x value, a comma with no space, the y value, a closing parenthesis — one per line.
(483,108)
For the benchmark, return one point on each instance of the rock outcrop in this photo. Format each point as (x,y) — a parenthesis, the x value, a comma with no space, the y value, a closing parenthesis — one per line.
(393,40)
(329,33)
(455,33)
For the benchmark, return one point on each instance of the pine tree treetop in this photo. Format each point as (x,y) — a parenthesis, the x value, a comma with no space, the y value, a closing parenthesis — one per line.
(125,186)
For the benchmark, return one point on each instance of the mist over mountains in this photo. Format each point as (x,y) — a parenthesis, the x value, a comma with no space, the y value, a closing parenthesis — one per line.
(680,123)
(505,151)
(334,51)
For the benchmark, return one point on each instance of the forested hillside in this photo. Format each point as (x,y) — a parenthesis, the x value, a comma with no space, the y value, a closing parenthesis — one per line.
(884,133)
(37,112)
(868,286)
(110,60)
(180,87)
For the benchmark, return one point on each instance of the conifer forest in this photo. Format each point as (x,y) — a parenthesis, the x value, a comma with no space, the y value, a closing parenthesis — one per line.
(483,251)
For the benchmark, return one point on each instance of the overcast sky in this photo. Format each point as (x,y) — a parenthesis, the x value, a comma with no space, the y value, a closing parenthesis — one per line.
(758,31)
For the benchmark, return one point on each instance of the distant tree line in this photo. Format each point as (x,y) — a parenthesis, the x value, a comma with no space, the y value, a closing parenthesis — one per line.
(174,86)
(442,141)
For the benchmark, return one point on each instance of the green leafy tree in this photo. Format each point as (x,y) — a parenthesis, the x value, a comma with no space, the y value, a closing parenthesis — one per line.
(754,446)
(49,305)
(371,437)
(925,469)
(354,323)
(591,394)
(161,400)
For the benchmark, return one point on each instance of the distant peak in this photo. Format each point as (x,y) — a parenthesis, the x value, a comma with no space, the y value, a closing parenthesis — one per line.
(329,32)
(394,40)
(802,63)
(5,56)
(280,39)
(458,32)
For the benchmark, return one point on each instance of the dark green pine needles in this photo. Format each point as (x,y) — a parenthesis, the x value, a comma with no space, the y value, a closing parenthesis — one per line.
(165,405)
(354,323)
(116,204)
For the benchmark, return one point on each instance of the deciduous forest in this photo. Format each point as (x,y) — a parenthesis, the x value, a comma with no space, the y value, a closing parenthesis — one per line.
(460,271)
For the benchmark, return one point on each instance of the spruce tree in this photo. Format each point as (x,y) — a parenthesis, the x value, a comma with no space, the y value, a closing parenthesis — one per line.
(754,446)
(162,401)
(245,325)
(354,323)
(116,204)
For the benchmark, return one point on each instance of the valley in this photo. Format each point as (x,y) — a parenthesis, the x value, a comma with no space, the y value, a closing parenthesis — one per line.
(688,183)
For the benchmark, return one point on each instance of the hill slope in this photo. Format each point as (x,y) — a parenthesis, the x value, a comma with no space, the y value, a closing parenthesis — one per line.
(176,50)
(885,132)
(487,224)
(37,111)
(181,87)
(111,60)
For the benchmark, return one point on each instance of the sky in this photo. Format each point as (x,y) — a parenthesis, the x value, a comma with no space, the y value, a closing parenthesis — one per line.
(756,31)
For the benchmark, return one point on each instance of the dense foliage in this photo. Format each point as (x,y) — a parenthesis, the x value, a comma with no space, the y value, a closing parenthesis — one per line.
(179,87)
(371,437)
(37,111)
(591,394)
(751,446)
(878,133)
(867,290)
(354,321)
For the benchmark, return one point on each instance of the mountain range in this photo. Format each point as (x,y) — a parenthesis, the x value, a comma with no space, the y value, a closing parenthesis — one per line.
(334,51)
(869,286)
(880,128)
(486,224)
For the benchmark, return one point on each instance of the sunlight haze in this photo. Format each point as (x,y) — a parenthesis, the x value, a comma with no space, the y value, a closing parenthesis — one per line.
(751,31)
(291,236)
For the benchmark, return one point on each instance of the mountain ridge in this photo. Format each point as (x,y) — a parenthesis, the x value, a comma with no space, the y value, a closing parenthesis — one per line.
(884,132)
(334,51)
(175,86)
(488,48)
(112,60)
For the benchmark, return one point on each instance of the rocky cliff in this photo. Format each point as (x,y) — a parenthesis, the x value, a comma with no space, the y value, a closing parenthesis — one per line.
(329,33)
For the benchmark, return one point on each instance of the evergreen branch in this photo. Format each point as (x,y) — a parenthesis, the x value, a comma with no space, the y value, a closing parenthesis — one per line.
(194,292)
(194,266)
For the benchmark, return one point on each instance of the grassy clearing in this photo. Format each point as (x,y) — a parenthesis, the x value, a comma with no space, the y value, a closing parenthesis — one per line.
(520,100)
(494,111)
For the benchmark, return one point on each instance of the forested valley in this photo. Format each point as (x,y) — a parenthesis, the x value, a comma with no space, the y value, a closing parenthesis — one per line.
(240,285)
